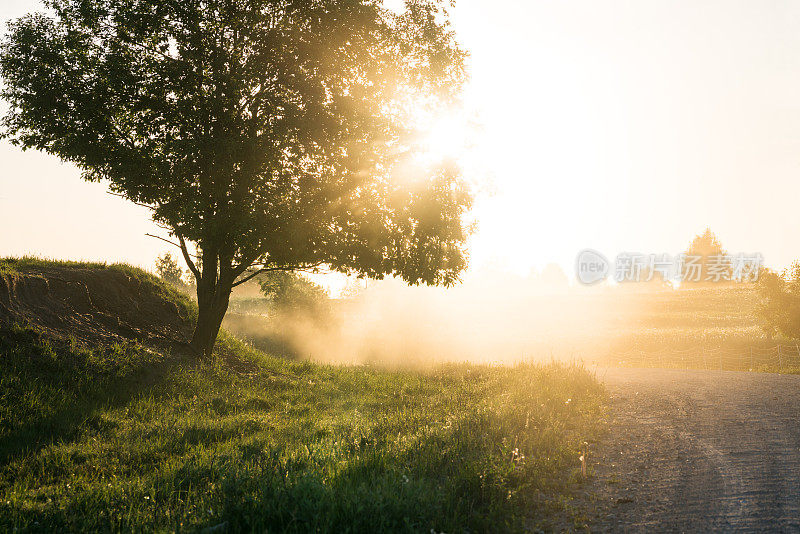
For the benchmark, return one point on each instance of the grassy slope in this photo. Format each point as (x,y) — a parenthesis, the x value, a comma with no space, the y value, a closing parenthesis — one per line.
(124,438)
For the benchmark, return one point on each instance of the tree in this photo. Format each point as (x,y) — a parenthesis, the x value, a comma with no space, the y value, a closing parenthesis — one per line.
(168,270)
(265,135)
(705,244)
(708,248)
(780,301)
(291,292)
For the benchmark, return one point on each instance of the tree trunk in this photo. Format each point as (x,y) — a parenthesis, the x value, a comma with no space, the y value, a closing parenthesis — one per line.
(212,303)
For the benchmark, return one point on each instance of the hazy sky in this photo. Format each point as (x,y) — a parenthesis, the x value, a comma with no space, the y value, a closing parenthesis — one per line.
(621,126)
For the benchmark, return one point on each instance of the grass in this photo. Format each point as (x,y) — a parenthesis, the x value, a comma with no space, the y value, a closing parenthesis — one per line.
(126,439)
(14,264)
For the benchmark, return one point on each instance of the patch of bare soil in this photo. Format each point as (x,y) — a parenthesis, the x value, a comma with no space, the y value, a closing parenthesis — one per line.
(92,303)
(697,451)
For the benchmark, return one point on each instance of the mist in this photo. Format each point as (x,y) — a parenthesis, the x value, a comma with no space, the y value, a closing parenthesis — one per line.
(492,317)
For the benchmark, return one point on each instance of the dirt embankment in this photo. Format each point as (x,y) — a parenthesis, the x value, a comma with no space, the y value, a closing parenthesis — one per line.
(91,303)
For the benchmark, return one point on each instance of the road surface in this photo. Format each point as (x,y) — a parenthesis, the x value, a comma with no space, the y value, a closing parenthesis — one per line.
(697,451)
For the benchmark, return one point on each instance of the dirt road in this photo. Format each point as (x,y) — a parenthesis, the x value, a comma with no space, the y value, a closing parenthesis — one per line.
(698,451)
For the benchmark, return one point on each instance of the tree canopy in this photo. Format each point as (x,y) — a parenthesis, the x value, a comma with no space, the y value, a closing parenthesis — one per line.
(289,292)
(168,270)
(705,244)
(710,253)
(264,134)
(779,307)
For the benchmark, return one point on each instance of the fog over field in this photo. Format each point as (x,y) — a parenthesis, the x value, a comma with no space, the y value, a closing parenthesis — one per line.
(506,319)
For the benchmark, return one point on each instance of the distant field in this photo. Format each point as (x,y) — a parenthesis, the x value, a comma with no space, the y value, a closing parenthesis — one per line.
(131,438)
(708,327)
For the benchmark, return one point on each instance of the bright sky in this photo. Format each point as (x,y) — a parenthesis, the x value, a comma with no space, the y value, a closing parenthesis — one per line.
(616,125)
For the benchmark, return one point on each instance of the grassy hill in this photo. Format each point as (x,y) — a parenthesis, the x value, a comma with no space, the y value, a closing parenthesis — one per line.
(111,428)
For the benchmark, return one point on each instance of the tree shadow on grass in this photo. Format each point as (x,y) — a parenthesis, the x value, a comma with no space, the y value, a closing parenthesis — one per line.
(52,391)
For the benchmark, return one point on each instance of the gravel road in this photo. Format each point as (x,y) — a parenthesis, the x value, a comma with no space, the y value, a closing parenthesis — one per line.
(697,451)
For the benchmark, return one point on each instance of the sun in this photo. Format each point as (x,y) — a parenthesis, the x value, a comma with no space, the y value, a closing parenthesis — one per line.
(444,137)
(447,137)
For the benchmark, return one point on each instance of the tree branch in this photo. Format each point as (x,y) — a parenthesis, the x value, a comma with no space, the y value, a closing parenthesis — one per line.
(164,240)
(188,259)
(186,255)
(148,206)
(273,269)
